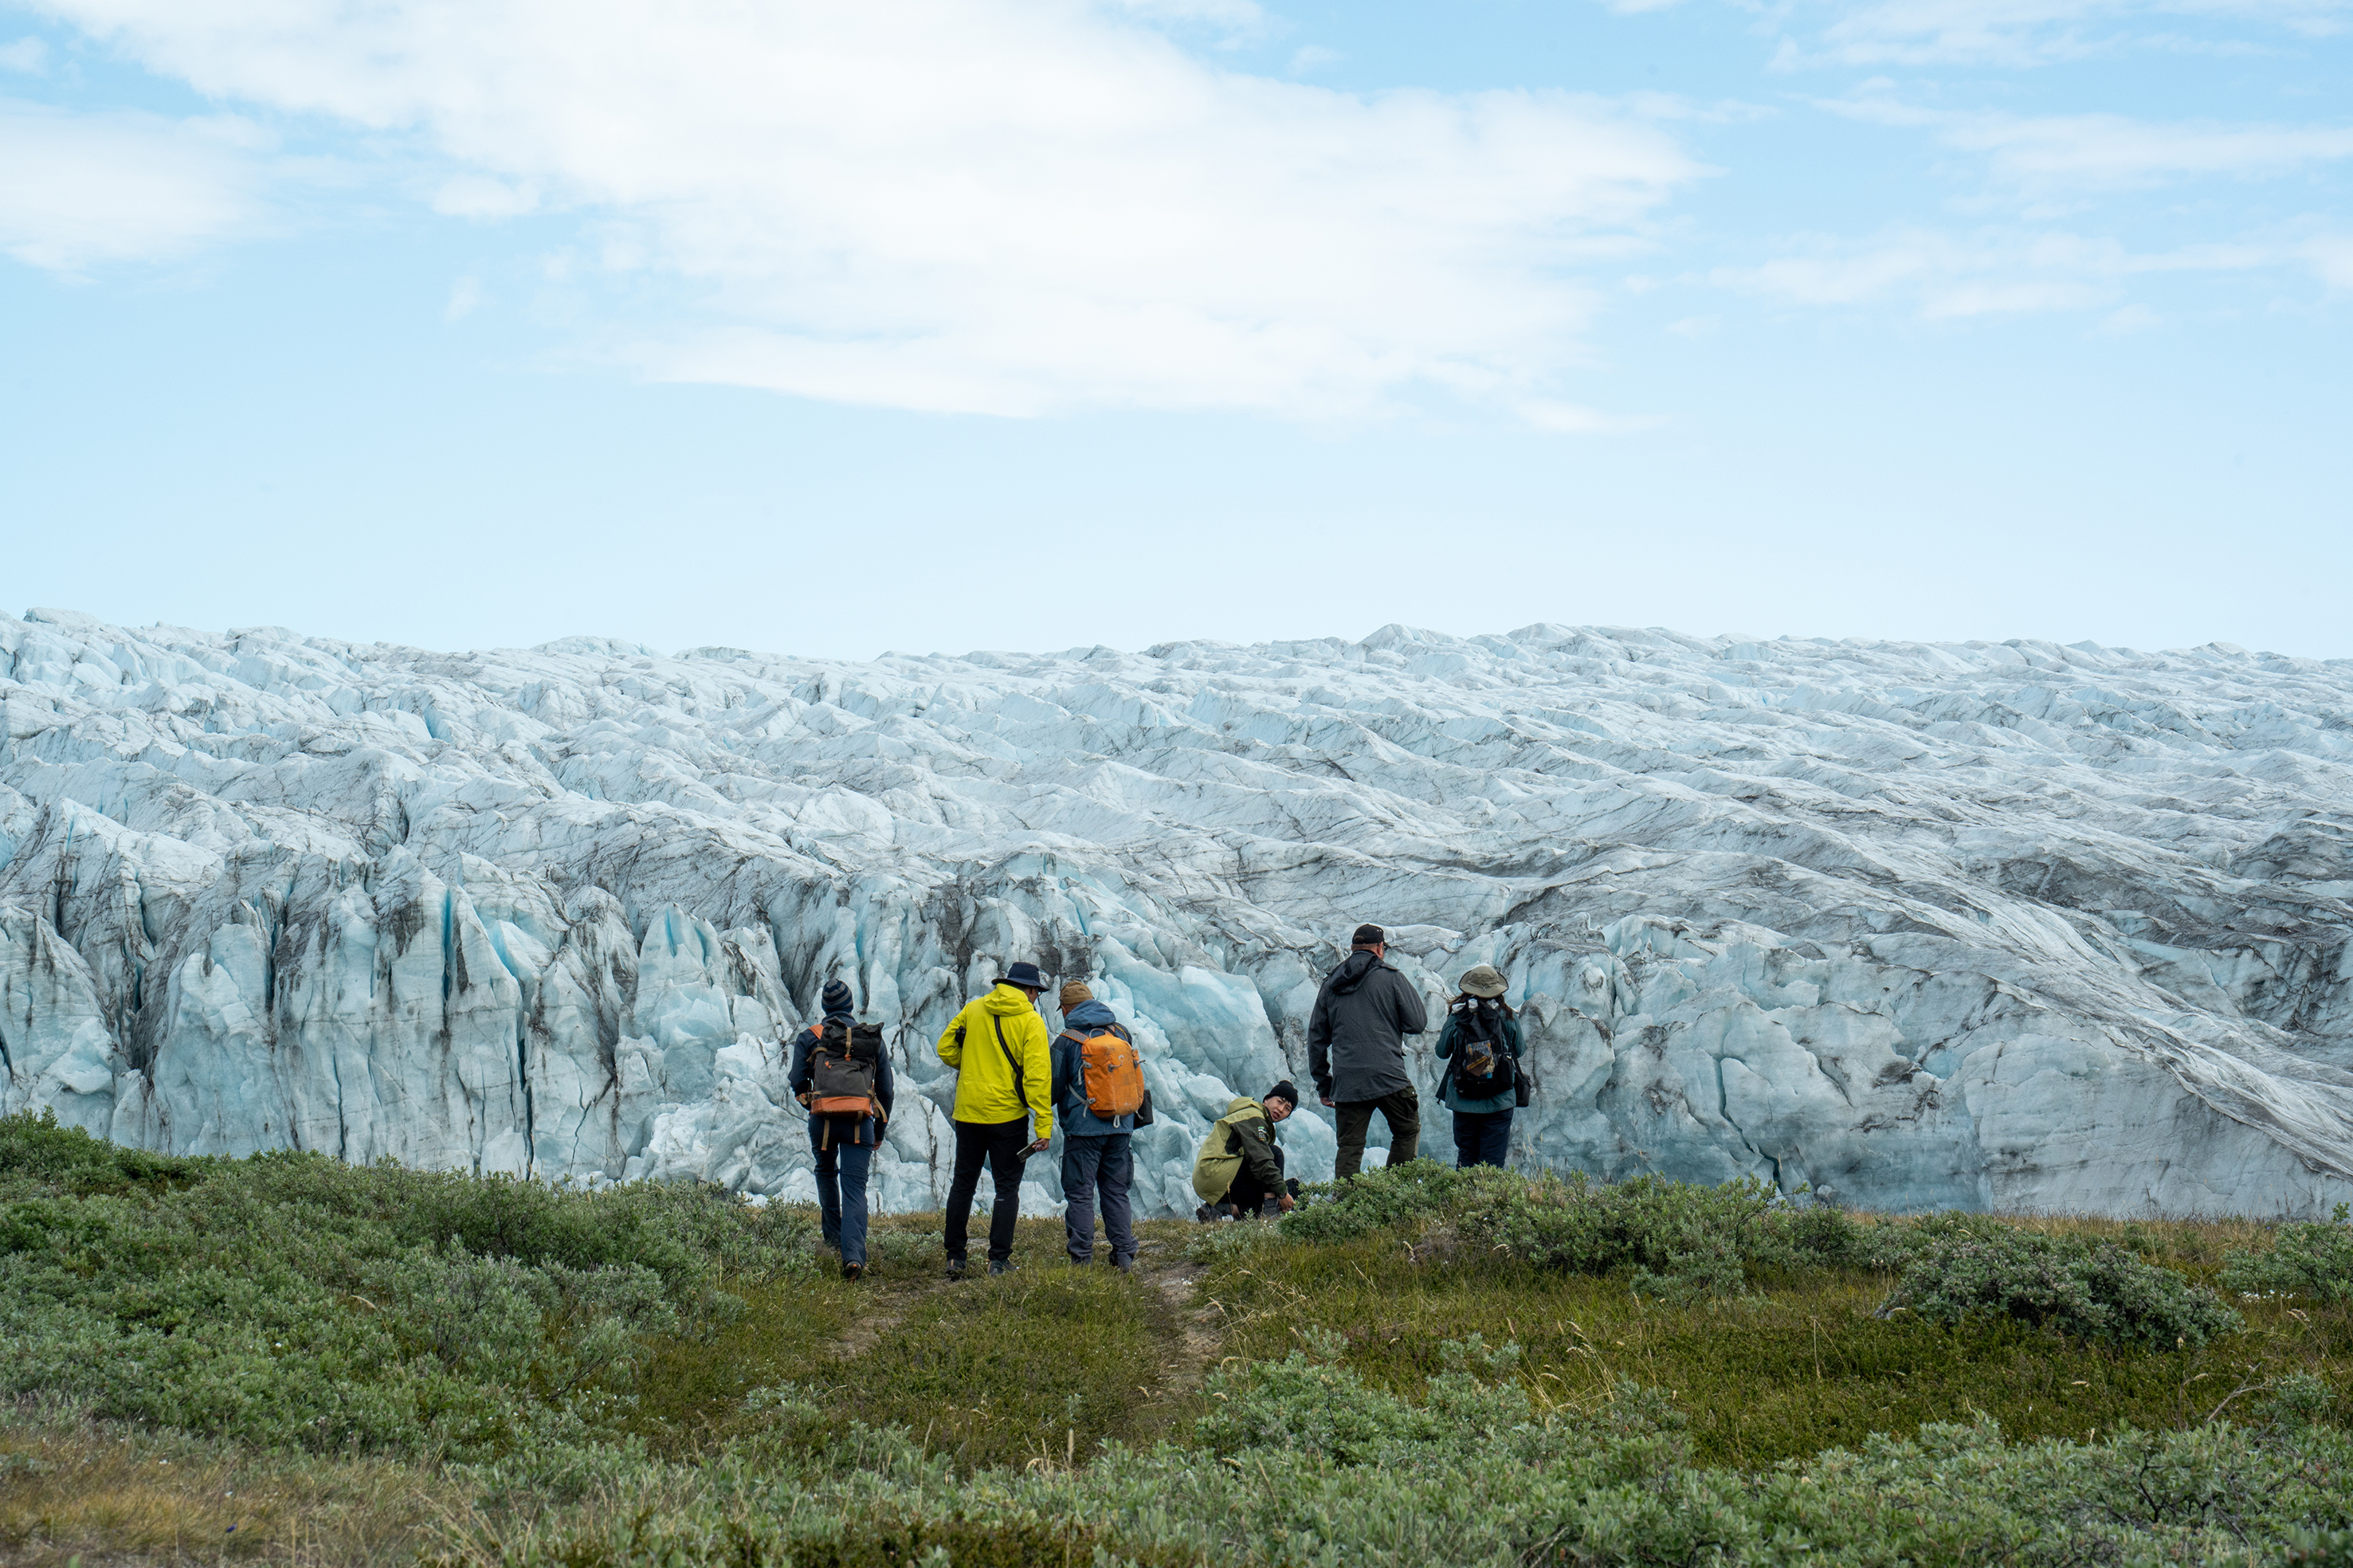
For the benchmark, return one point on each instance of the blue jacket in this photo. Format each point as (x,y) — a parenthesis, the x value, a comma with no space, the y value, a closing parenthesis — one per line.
(804,1046)
(1070,1079)
(1450,1037)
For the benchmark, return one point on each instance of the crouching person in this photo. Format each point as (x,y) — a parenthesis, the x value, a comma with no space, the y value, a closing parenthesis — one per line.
(1098,1089)
(1239,1171)
(842,1075)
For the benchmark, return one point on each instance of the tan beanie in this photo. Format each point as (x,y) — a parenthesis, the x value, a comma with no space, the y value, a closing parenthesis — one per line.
(1075,992)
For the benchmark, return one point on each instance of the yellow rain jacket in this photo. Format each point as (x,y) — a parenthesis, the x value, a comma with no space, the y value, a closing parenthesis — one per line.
(985,1090)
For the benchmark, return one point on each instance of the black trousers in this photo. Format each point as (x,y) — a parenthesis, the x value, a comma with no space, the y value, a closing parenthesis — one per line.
(1246,1193)
(998,1145)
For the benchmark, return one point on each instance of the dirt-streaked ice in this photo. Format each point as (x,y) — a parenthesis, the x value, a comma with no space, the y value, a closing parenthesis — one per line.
(1987,925)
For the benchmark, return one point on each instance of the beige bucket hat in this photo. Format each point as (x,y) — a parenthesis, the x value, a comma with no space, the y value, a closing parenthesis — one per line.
(1484,980)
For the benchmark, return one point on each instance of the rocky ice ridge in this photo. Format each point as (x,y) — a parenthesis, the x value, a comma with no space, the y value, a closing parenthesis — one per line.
(2010,926)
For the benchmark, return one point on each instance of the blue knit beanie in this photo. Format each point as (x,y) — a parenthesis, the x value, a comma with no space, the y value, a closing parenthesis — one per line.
(837,998)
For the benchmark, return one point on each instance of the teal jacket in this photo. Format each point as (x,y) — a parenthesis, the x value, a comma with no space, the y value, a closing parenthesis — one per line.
(1450,1037)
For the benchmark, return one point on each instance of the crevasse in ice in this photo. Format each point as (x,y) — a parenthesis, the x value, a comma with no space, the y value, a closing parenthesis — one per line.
(1983,925)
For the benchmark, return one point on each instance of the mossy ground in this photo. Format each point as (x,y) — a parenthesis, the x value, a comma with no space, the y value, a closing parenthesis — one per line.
(1801,1365)
(1041,1372)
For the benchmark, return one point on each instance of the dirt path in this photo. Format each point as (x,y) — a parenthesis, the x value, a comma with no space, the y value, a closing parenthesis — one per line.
(1192,1333)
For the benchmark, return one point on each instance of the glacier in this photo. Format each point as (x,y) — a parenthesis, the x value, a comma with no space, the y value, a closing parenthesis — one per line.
(2010,926)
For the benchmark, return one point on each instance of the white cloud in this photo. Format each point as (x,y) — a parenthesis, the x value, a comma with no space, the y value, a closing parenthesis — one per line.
(2332,258)
(465,297)
(1237,18)
(1222,13)
(1943,277)
(29,56)
(2109,150)
(1003,205)
(1576,420)
(2035,32)
(474,195)
(84,189)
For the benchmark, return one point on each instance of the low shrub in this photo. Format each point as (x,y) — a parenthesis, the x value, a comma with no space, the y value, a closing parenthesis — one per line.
(1310,1403)
(38,1157)
(291,1301)
(2311,1261)
(1312,1466)
(1960,1265)
(2320,1549)
(1375,1200)
(1680,1241)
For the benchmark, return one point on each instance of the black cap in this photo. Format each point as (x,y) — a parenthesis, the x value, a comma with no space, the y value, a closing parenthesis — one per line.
(1286,1089)
(836,999)
(1025,974)
(1370,936)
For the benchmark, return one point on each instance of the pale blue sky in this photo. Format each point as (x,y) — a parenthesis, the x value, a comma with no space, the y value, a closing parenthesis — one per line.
(833,329)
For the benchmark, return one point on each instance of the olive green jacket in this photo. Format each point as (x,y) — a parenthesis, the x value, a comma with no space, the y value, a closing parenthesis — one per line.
(1242,1135)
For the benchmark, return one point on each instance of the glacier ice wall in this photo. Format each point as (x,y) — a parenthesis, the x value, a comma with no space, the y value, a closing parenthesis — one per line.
(1984,925)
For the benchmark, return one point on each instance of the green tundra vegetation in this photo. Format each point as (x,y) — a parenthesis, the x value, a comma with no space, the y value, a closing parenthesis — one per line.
(285,1359)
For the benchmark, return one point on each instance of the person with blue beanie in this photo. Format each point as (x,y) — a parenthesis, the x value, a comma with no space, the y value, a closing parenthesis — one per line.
(844,1145)
(1096,1159)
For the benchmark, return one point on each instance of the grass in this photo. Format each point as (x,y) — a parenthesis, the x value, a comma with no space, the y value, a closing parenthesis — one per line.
(1801,1366)
(70,1487)
(1045,1362)
(515,1374)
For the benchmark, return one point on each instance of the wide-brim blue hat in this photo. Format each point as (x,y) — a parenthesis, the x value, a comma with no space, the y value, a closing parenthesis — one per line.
(1023,974)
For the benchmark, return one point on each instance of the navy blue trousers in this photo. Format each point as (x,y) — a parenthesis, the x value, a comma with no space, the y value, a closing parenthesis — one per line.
(841,1171)
(1097,1164)
(1482,1139)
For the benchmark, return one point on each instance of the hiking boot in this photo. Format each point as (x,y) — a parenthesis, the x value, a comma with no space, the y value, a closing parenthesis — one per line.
(1078,1262)
(853,1270)
(956,1268)
(1292,1186)
(999,1265)
(1205,1214)
(1125,1264)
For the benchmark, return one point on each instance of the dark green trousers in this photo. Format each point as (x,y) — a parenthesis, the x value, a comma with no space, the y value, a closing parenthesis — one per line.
(1401,1108)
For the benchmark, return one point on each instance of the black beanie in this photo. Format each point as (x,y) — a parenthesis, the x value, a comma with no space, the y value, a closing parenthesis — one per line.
(1286,1089)
(837,998)
(1370,936)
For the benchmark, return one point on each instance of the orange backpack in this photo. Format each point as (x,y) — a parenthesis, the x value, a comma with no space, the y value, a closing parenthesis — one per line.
(1114,1070)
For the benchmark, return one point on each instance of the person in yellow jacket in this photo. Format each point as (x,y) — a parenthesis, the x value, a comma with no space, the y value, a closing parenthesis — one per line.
(1005,1075)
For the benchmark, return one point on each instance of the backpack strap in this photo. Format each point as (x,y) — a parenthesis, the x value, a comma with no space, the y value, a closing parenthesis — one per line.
(1012,1061)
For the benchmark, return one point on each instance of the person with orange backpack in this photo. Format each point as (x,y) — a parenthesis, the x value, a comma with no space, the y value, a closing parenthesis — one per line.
(842,1074)
(1099,1091)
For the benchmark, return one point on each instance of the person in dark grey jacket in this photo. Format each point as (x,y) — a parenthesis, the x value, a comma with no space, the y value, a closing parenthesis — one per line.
(1356,1048)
